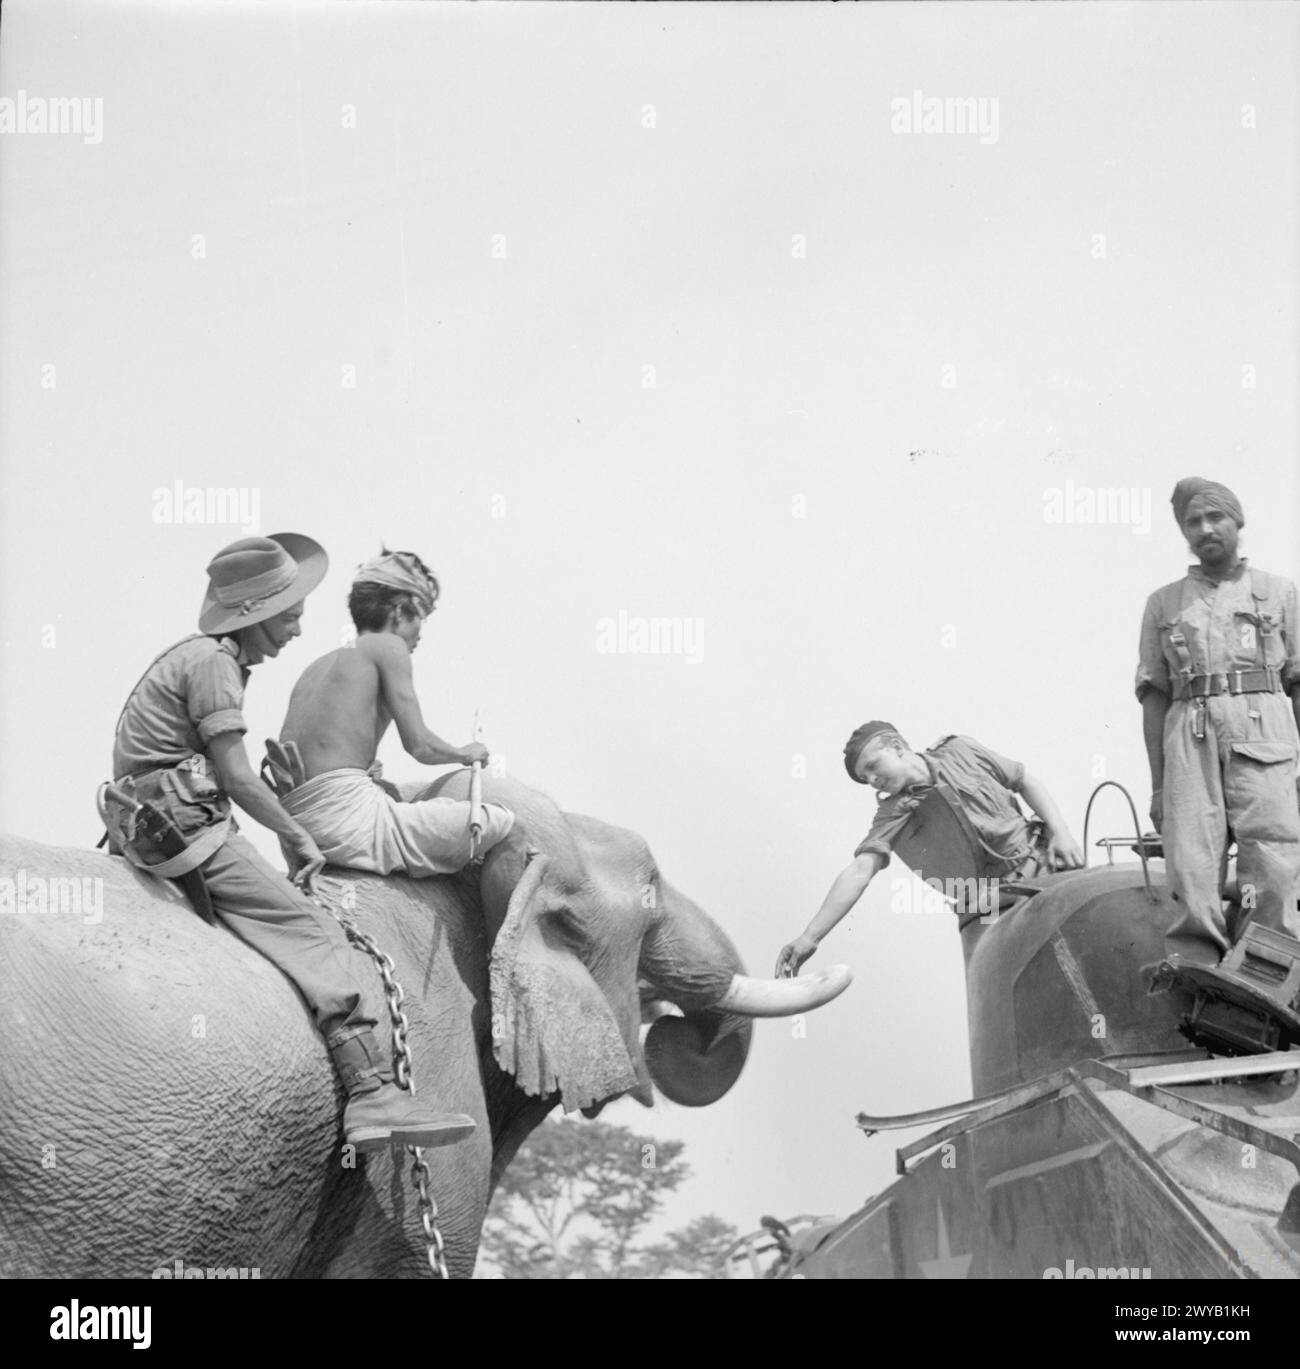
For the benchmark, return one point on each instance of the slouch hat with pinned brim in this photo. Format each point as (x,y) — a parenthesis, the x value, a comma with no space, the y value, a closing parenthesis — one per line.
(257,577)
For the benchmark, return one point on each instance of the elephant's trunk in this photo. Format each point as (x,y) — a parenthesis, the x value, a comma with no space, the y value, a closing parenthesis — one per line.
(687,959)
(694,1059)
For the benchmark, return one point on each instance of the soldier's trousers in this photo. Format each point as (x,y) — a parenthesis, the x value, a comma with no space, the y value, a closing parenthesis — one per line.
(1238,783)
(263,908)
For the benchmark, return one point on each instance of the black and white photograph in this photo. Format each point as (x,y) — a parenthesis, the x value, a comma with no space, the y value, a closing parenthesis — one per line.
(487,493)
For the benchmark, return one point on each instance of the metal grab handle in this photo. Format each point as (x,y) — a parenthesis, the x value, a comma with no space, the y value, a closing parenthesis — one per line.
(1137,828)
(476,813)
(108,790)
(475,805)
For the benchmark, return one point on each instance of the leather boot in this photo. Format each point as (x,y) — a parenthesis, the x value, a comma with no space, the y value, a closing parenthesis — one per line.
(378,1113)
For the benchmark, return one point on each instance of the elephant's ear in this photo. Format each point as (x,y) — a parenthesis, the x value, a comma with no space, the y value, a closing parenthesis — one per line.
(552,1027)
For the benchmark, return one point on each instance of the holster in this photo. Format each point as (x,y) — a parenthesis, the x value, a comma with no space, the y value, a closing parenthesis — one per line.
(155,831)
(282,768)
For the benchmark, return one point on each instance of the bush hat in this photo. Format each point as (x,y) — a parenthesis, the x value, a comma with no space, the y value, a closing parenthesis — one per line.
(257,577)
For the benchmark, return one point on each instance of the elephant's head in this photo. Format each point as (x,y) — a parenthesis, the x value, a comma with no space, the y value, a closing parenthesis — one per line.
(593,941)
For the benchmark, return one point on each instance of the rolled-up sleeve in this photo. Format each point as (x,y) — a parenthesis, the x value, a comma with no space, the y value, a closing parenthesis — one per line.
(215,696)
(1153,669)
(891,818)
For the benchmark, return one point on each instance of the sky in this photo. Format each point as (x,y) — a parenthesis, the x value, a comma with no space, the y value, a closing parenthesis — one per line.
(618,313)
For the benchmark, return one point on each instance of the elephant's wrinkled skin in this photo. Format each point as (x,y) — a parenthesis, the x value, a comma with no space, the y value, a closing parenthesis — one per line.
(165,1097)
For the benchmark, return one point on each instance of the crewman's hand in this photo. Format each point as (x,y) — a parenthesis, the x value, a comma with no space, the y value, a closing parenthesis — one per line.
(1158,810)
(304,860)
(474,752)
(1064,853)
(793,955)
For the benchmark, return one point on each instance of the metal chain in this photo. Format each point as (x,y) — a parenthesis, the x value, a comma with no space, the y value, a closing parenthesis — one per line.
(436,1251)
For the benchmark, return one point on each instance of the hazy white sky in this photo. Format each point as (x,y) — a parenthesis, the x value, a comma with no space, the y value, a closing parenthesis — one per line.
(649,310)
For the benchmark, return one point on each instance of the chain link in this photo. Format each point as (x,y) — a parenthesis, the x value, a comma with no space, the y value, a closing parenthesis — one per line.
(337,906)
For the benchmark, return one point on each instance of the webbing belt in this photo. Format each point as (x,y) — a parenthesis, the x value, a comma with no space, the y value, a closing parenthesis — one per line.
(120,822)
(1259,681)
(204,845)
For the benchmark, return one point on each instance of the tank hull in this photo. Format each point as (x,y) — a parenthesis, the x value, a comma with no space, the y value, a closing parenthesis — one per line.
(1090,1182)
(1081,1172)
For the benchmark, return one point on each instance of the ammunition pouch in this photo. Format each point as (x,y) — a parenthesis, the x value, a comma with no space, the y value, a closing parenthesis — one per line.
(167,822)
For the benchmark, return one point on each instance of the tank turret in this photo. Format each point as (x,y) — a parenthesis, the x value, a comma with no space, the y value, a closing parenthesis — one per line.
(1057,979)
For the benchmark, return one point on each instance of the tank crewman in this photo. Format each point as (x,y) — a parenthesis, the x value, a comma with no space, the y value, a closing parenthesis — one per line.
(1217,660)
(180,747)
(983,782)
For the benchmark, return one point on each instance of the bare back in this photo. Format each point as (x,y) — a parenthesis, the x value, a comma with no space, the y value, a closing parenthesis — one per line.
(337,715)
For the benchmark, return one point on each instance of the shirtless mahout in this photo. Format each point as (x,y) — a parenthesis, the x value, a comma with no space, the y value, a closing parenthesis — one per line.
(338,714)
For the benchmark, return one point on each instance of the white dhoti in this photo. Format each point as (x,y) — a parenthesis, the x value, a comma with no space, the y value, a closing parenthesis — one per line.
(357,825)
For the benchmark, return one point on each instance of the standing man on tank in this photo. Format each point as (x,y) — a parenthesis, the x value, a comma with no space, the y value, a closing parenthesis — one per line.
(1219,682)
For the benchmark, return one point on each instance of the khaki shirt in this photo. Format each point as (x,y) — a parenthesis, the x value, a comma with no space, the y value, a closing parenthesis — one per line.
(984,782)
(1222,626)
(190,694)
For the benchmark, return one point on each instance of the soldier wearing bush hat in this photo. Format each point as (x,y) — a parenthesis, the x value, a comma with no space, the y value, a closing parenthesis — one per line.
(179,752)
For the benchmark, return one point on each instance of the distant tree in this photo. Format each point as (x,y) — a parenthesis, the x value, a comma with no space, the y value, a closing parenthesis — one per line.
(697,1249)
(577,1198)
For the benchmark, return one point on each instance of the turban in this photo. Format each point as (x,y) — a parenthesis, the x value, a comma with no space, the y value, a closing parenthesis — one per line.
(401,570)
(857,744)
(1215,495)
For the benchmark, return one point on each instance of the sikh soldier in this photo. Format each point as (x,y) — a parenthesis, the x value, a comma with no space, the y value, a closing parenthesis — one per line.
(1217,660)
(180,747)
(340,709)
(984,784)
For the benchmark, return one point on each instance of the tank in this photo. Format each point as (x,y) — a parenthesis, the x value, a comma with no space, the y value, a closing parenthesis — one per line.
(1102,1143)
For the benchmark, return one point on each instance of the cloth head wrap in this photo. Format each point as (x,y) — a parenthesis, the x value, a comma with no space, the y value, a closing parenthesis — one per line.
(857,744)
(400,570)
(1215,495)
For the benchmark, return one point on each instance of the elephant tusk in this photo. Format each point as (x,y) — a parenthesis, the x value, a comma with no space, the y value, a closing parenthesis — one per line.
(784,997)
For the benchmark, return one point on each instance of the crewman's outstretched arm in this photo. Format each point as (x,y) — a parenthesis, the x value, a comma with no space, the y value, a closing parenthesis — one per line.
(398,685)
(1063,852)
(849,886)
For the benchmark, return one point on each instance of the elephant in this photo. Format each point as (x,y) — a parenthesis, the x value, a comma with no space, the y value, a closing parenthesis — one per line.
(166,1100)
